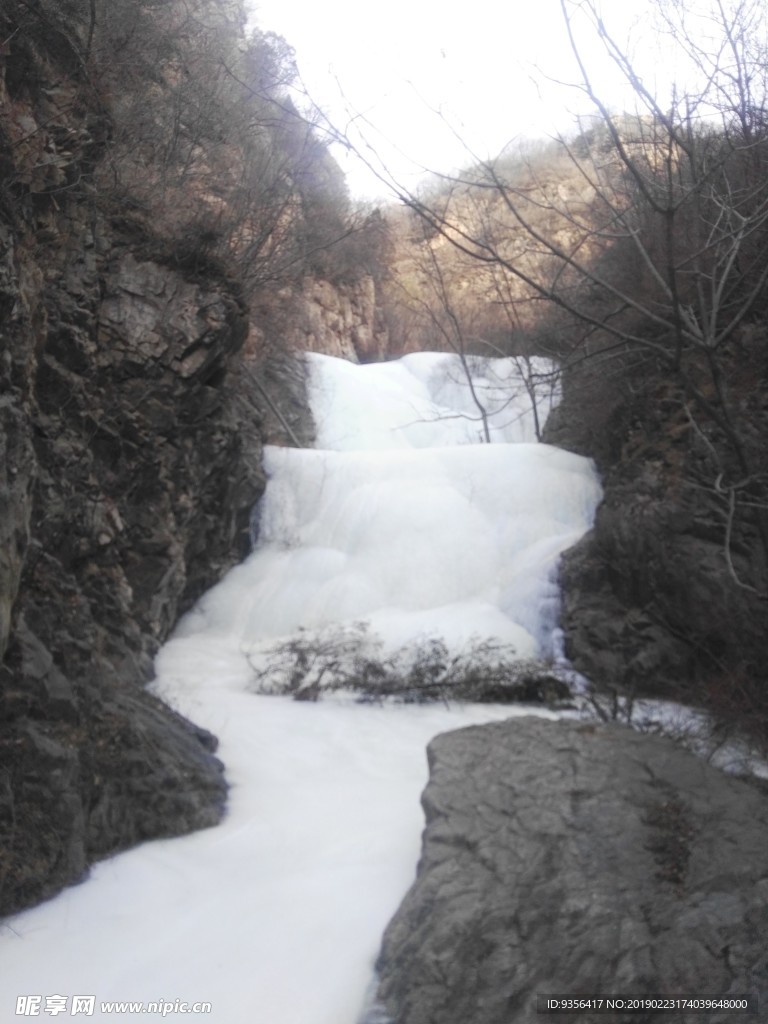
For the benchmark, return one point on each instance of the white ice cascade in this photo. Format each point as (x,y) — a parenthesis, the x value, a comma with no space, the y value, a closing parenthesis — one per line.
(398,517)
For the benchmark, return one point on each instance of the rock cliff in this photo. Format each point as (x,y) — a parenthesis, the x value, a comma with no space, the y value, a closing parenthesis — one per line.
(343,320)
(665,595)
(125,490)
(570,858)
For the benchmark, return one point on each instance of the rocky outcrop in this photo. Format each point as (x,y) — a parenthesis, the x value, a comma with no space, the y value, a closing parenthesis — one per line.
(125,489)
(665,595)
(342,320)
(277,389)
(339,319)
(573,858)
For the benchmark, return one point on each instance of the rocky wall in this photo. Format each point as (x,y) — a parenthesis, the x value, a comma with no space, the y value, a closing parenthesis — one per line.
(338,319)
(666,595)
(126,486)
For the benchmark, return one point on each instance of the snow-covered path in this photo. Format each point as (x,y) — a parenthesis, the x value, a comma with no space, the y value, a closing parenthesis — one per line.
(400,519)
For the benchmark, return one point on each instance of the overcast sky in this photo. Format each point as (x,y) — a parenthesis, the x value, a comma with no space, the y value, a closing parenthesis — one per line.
(422,72)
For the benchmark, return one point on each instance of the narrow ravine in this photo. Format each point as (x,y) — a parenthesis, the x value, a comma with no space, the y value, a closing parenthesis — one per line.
(401,519)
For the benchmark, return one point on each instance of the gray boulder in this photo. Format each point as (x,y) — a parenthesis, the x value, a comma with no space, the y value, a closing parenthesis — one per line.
(566,857)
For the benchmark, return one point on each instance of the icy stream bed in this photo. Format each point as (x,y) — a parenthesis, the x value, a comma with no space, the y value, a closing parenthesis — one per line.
(400,518)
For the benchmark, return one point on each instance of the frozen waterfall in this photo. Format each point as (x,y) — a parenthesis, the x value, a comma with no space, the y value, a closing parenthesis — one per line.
(398,518)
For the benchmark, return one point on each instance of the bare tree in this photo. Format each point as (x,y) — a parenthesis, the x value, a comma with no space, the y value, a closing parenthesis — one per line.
(449,303)
(658,245)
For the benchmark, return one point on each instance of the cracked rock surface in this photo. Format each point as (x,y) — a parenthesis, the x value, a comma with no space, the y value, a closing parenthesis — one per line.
(129,464)
(565,857)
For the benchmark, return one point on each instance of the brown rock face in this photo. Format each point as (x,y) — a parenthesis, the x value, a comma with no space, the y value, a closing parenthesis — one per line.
(343,319)
(125,490)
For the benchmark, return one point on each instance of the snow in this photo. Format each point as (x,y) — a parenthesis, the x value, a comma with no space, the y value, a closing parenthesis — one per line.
(423,400)
(399,518)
